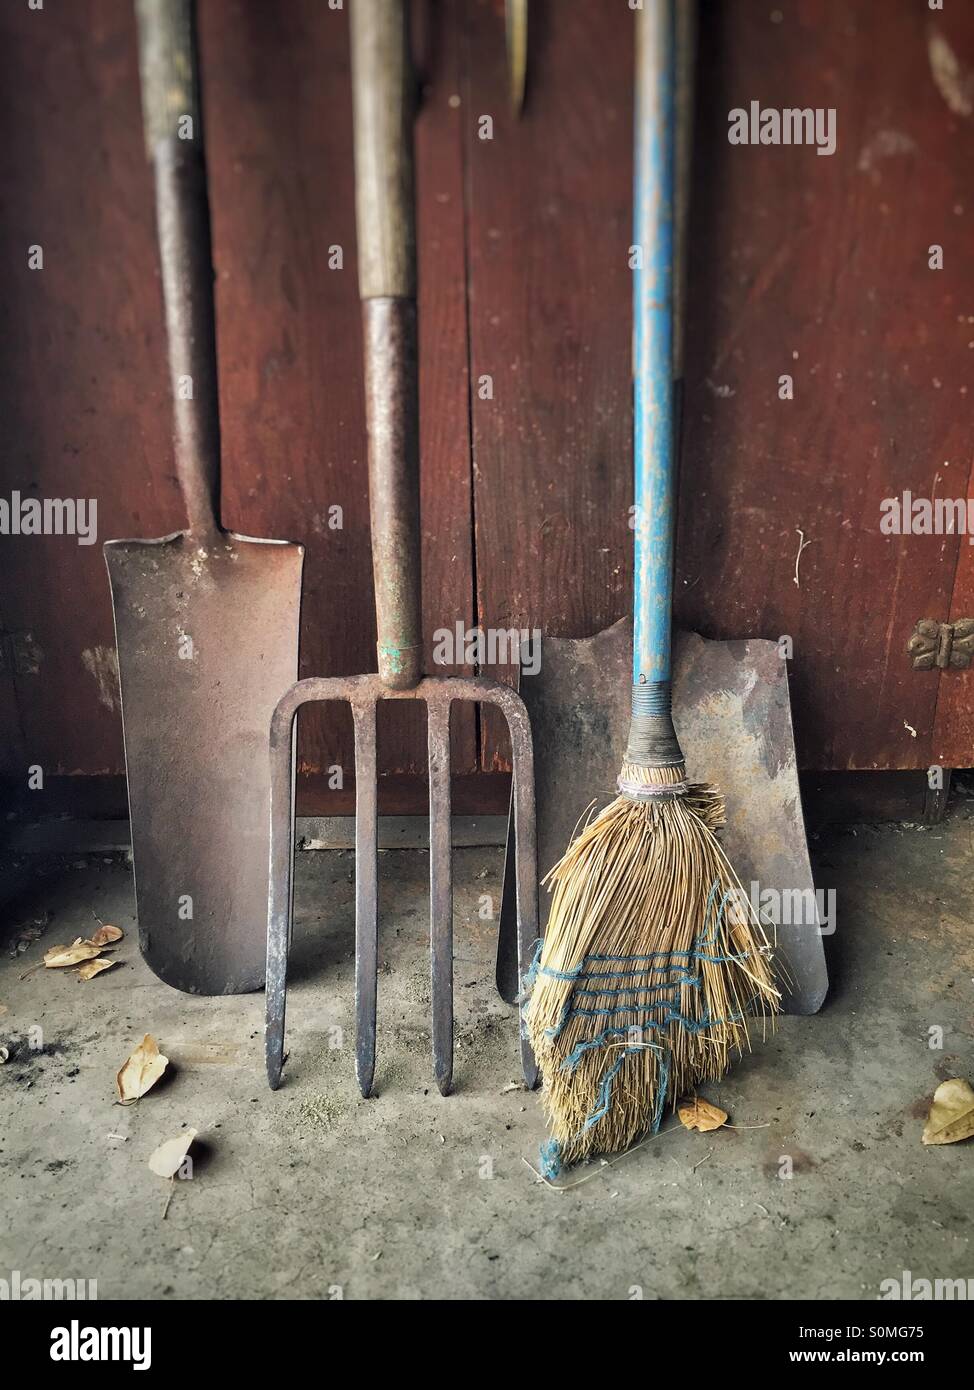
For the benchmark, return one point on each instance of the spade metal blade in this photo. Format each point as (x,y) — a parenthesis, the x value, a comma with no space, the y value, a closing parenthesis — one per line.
(207,636)
(733,715)
(206,621)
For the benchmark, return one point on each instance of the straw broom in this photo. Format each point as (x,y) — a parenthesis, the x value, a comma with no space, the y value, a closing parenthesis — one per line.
(653,958)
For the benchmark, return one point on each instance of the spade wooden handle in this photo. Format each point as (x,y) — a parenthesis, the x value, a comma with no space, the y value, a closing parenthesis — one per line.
(174,141)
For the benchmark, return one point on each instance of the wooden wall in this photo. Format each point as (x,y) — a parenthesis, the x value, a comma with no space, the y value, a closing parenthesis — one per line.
(815,267)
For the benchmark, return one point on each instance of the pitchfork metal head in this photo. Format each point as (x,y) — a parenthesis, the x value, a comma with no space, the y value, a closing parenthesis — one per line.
(363,694)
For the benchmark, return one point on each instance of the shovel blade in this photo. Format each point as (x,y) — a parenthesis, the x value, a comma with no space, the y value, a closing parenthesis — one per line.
(207,637)
(733,715)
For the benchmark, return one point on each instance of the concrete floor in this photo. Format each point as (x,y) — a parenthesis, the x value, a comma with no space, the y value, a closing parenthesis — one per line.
(312,1190)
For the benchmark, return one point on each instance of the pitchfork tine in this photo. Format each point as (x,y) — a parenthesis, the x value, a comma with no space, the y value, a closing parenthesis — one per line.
(441,893)
(366,894)
(363,692)
(280,887)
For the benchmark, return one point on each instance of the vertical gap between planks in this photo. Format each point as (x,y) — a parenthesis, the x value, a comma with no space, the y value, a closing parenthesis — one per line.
(463,73)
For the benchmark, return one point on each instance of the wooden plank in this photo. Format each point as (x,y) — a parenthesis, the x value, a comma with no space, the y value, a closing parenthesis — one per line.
(791,253)
(80,365)
(400,794)
(279,134)
(852,798)
(819,270)
(549,229)
(277,104)
(446,482)
(89,338)
(829,799)
(310,833)
(13,756)
(950,41)
(817,267)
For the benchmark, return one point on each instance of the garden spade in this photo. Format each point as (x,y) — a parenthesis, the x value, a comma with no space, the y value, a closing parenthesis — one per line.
(732,711)
(206,621)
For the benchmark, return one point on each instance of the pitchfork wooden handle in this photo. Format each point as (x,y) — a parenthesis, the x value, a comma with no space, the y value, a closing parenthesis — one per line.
(385,218)
(382,92)
(174,142)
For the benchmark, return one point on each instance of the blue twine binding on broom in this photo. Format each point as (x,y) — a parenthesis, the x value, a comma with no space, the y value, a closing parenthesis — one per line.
(550,1150)
(549,1157)
(580,972)
(693,981)
(604,1096)
(530,978)
(672,1015)
(528,981)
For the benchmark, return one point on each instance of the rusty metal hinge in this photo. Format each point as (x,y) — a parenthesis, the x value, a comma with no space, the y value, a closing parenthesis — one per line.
(941,645)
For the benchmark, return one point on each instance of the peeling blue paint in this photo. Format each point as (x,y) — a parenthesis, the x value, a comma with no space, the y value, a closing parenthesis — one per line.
(654,443)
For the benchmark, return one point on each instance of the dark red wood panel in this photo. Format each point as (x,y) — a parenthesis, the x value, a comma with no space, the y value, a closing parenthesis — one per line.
(448,542)
(953,32)
(549,228)
(800,264)
(282,186)
(81,361)
(86,408)
(816,267)
(278,126)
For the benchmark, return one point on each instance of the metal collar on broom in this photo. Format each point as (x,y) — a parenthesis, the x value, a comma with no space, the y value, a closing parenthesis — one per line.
(644,979)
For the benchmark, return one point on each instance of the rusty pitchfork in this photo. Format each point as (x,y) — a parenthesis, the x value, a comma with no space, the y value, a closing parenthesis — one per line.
(383,97)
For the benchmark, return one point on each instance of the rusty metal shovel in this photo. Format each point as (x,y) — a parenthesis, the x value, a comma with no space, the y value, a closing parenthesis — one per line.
(731,710)
(206,621)
(383,96)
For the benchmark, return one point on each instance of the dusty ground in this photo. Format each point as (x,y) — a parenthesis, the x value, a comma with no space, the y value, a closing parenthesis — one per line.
(408,1195)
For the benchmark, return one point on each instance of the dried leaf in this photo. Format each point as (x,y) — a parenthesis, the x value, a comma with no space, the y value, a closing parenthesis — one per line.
(142,1070)
(168,1157)
(951,1117)
(92,968)
(105,935)
(74,954)
(701,1115)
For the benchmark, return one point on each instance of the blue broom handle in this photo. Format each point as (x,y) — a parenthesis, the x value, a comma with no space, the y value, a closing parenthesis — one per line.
(653,284)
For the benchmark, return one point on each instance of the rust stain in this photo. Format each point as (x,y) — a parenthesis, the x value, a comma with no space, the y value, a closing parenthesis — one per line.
(102,664)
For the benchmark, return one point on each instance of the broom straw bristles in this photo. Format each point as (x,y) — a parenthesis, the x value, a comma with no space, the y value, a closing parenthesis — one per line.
(652,961)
